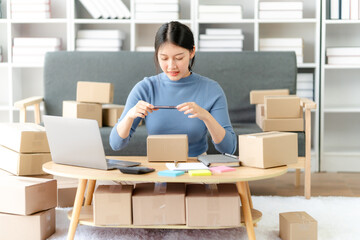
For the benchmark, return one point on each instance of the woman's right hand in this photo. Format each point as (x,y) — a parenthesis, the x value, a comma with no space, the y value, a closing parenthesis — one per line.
(141,109)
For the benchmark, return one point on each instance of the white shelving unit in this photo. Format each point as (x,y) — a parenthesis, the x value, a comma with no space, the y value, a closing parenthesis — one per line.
(69,16)
(340,100)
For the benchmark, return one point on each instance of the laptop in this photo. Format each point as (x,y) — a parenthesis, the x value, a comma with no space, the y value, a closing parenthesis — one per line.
(77,142)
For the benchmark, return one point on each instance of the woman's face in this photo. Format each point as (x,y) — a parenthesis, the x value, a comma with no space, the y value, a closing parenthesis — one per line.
(174,61)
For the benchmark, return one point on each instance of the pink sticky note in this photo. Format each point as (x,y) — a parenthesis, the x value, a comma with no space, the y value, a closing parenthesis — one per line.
(221,169)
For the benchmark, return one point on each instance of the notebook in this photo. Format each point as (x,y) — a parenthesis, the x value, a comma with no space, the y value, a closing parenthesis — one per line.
(213,160)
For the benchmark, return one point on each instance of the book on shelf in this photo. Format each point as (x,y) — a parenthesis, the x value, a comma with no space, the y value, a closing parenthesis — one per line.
(45,7)
(156,7)
(223,31)
(100,6)
(145,49)
(345,9)
(36,42)
(33,50)
(220,16)
(91,8)
(213,49)
(343,51)
(344,60)
(98,49)
(30,15)
(304,82)
(88,42)
(280,6)
(334,9)
(298,14)
(221,43)
(304,85)
(297,50)
(306,93)
(354,9)
(157,15)
(281,42)
(107,5)
(220,37)
(213,160)
(33,59)
(30,1)
(101,34)
(157,1)
(124,9)
(220,9)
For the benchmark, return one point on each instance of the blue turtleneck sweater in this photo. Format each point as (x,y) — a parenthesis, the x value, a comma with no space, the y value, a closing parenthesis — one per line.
(160,90)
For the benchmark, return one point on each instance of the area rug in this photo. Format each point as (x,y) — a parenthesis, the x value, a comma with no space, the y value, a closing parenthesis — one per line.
(338,219)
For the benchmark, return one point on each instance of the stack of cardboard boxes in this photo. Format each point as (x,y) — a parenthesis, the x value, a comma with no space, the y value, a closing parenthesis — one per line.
(28,203)
(23,148)
(89,99)
(194,205)
(276,110)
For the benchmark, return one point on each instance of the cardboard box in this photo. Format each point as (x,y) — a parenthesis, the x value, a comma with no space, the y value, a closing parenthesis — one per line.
(25,195)
(66,193)
(23,164)
(260,114)
(257,96)
(112,205)
(38,226)
(270,149)
(72,109)
(111,114)
(212,205)
(280,107)
(284,125)
(167,148)
(297,226)
(95,92)
(158,204)
(24,137)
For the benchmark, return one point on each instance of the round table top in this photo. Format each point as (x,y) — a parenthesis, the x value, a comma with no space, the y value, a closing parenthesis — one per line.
(239,175)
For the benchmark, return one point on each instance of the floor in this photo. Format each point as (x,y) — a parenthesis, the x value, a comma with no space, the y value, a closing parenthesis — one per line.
(322,184)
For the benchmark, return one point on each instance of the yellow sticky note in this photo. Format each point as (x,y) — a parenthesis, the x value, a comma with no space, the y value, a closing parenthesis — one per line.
(202,172)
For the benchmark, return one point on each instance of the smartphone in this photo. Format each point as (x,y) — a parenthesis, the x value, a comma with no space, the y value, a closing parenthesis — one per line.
(164,107)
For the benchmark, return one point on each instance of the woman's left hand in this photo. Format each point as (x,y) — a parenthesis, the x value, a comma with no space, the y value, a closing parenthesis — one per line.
(195,110)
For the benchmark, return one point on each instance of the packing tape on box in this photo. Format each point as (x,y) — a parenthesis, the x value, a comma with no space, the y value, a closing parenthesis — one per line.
(160,188)
(212,205)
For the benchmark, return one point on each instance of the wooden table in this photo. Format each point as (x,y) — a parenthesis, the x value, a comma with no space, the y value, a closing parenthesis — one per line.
(87,176)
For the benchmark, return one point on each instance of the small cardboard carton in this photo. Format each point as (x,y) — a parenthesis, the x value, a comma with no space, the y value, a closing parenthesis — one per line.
(72,109)
(159,204)
(280,107)
(39,226)
(25,195)
(167,148)
(111,114)
(257,96)
(212,205)
(66,193)
(297,226)
(269,149)
(24,137)
(112,205)
(95,92)
(23,164)
(284,125)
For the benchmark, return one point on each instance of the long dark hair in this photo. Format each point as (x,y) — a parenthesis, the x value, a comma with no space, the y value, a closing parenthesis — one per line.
(175,33)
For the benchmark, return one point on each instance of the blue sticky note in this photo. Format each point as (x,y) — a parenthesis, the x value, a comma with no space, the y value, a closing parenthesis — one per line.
(170,173)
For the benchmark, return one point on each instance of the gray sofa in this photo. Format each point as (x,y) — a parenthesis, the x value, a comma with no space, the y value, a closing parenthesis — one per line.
(237,73)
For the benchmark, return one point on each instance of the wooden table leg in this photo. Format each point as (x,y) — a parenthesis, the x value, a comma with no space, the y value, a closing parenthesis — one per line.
(76,209)
(243,192)
(250,199)
(89,192)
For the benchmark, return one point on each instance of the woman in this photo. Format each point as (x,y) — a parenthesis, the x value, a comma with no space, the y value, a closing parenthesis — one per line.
(200,102)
